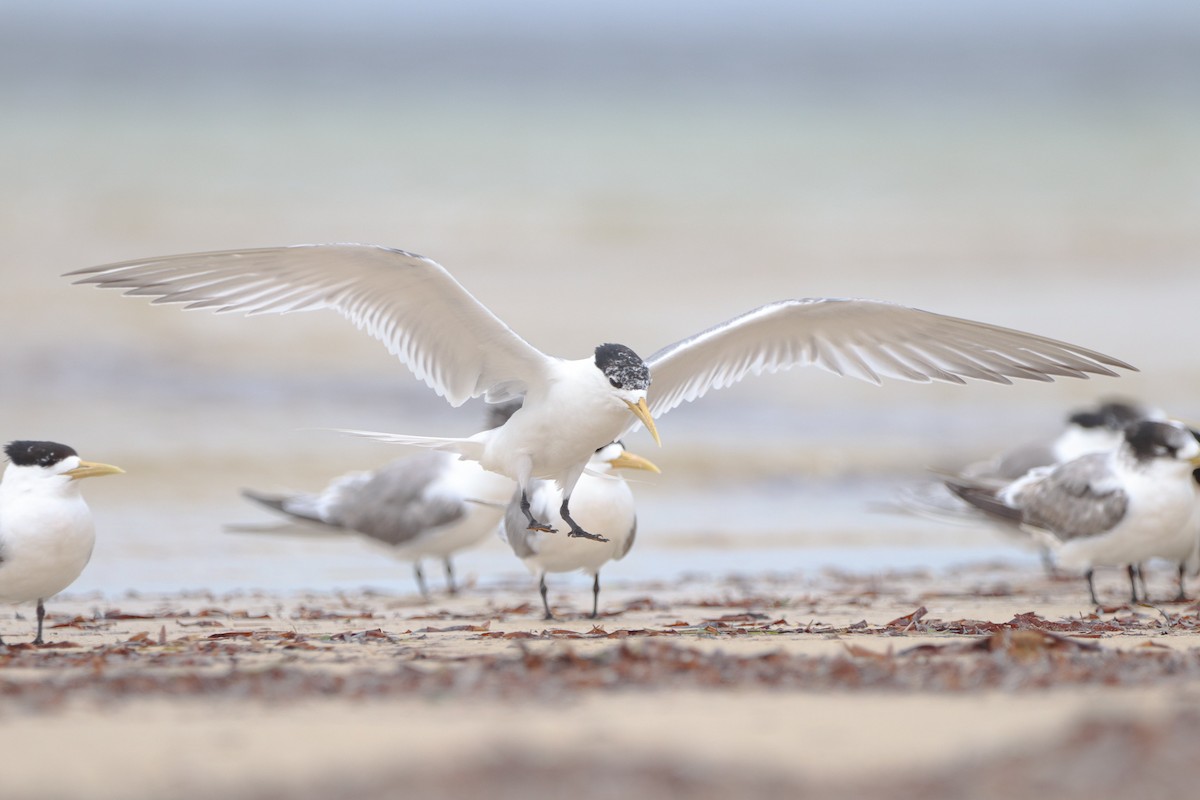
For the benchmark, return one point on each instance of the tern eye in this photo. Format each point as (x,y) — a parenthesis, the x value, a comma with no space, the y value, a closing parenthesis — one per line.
(615,383)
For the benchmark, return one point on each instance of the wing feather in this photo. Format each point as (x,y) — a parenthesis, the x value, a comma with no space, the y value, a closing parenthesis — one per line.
(865,339)
(411,304)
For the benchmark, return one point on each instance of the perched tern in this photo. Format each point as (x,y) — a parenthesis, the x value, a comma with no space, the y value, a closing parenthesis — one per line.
(1108,509)
(431,505)
(573,407)
(602,501)
(1094,429)
(46,529)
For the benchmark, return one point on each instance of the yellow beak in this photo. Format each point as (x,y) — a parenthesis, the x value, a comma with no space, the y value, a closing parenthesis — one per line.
(632,461)
(92,469)
(642,412)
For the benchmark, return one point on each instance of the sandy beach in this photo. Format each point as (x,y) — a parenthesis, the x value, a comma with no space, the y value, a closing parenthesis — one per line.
(837,685)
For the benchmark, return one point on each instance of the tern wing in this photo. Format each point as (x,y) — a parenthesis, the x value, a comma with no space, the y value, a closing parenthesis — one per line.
(514,529)
(403,500)
(410,303)
(1078,499)
(866,339)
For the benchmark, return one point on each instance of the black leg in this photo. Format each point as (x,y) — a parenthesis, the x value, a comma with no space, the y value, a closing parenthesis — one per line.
(1182,596)
(1048,562)
(450,585)
(596,595)
(545,603)
(420,577)
(41,616)
(534,525)
(1091,586)
(565,513)
(1133,570)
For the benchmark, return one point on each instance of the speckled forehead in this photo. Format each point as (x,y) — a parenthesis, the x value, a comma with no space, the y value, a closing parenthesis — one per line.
(622,366)
(40,454)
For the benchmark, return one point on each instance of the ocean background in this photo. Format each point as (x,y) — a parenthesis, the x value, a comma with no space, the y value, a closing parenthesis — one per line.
(591,172)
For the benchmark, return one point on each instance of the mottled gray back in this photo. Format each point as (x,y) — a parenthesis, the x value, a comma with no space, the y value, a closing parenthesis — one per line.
(1077,499)
(392,506)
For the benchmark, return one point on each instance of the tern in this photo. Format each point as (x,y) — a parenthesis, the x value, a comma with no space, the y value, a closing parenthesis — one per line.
(46,529)
(602,501)
(427,506)
(1108,509)
(1093,429)
(573,407)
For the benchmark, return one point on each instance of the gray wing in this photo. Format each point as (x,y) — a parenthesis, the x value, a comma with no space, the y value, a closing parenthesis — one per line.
(865,339)
(516,529)
(1076,499)
(395,506)
(410,303)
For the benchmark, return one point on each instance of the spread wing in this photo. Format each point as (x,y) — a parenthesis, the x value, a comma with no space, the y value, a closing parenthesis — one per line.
(410,303)
(866,339)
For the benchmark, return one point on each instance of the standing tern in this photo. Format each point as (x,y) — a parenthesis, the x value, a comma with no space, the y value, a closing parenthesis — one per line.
(1093,429)
(426,506)
(1117,508)
(602,501)
(46,529)
(573,407)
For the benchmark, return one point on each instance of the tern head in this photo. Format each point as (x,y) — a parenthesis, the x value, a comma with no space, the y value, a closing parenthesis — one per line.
(1150,439)
(614,456)
(32,460)
(629,378)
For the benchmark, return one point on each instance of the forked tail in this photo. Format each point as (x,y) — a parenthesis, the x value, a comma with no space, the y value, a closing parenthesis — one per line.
(469,449)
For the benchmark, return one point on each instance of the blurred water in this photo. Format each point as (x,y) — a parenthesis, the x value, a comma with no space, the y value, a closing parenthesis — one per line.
(629,172)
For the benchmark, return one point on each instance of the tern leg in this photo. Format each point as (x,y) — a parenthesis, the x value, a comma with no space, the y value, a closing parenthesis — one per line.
(525,480)
(1048,562)
(1182,596)
(545,602)
(450,585)
(419,575)
(596,595)
(1091,586)
(41,616)
(1134,570)
(565,513)
(534,525)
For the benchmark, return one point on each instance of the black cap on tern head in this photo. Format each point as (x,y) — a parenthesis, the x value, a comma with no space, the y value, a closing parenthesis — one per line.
(1152,439)
(37,454)
(623,367)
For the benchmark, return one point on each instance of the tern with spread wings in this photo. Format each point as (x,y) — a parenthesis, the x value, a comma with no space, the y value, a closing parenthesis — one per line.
(573,407)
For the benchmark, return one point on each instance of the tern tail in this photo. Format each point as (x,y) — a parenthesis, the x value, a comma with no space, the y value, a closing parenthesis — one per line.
(470,449)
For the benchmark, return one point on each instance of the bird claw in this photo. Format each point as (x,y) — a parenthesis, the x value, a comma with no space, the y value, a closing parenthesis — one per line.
(585,535)
(541,527)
